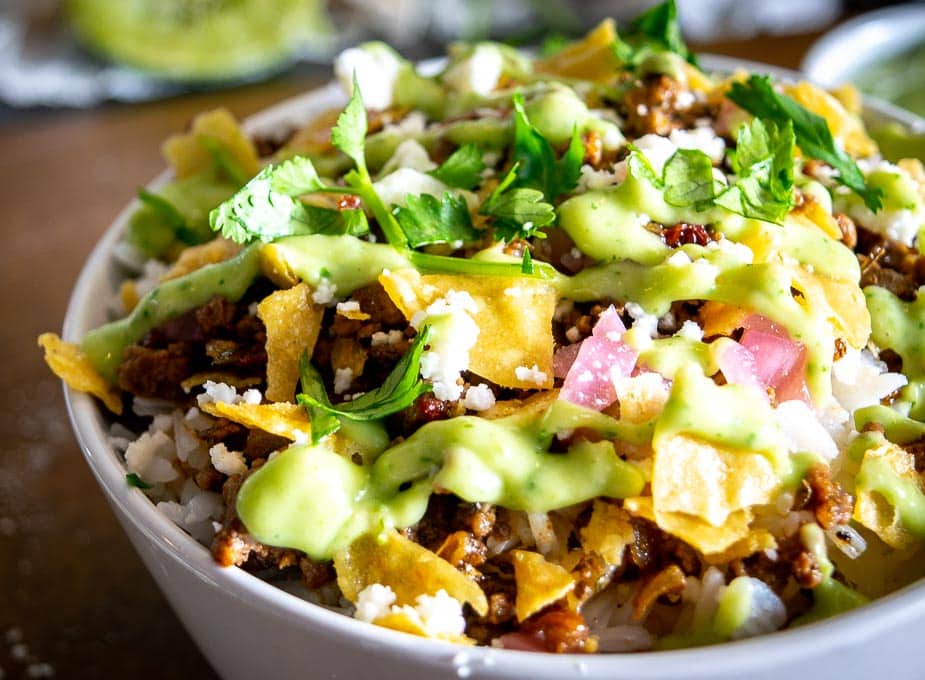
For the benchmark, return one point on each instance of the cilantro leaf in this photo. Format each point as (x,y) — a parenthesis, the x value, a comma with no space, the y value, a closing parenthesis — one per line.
(763,163)
(517,212)
(526,264)
(399,390)
(659,28)
(758,97)
(268,206)
(134,480)
(463,169)
(427,220)
(349,134)
(538,167)
(638,165)
(688,179)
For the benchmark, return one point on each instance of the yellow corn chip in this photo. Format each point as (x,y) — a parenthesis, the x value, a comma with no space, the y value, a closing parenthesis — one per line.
(590,58)
(348,353)
(410,622)
(513,318)
(608,532)
(840,304)
(69,363)
(539,583)
(196,257)
(707,481)
(282,419)
(871,508)
(812,213)
(128,295)
(756,541)
(293,323)
(721,319)
(187,154)
(844,125)
(408,568)
(275,267)
(703,536)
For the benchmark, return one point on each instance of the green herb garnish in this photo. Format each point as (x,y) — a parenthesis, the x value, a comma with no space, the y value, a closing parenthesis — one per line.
(463,169)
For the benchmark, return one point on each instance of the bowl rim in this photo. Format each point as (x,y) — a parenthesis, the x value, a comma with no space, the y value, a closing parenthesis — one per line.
(893,28)
(83,313)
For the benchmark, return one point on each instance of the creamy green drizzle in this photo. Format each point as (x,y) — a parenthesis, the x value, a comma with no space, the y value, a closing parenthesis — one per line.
(313,499)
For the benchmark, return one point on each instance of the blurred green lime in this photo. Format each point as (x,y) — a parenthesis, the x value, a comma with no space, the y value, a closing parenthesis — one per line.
(201,39)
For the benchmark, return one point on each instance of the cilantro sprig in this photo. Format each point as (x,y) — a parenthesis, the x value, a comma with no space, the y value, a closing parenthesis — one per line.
(655,31)
(463,169)
(758,96)
(517,212)
(399,390)
(427,220)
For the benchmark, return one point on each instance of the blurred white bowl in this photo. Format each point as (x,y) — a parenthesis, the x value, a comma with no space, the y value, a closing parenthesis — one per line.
(844,52)
(248,628)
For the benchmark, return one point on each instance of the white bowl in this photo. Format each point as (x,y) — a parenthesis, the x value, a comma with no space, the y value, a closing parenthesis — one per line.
(248,628)
(842,53)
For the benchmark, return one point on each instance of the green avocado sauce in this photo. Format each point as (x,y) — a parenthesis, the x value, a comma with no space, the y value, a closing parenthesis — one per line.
(900,326)
(312,499)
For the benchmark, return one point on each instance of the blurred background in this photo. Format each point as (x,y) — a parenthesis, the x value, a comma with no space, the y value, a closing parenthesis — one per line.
(88,91)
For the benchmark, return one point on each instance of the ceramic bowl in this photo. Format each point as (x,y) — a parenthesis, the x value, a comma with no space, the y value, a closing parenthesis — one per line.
(248,628)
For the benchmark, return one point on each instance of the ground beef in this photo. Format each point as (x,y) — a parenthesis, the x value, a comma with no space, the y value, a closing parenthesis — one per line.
(826,499)
(227,432)
(650,107)
(560,630)
(155,373)
(652,549)
(791,559)
(890,264)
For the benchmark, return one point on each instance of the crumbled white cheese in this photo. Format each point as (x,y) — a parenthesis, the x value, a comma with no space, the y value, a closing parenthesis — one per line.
(348,307)
(479,398)
(691,330)
(739,251)
(412,124)
(684,100)
(324,292)
(678,259)
(803,431)
(478,73)
(409,154)
(453,333)
(642,321)
(217,392)
(439,615)
(702,139)
(374,602)
(395,187)
(227,462)
(343,378)
(531,374)
(393,337)
(859,380)
(592,180)
(375,67)
(657,150)
(150,457)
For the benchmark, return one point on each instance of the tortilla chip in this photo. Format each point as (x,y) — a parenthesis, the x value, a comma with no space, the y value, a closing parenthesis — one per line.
(843,124)
(128,295)
(812,213)
(703,536)
(514,319)
(840,303)
(188,155)
(348,353)
(608,532)
(275,267)
(641,397)
(196,257)
(539,583)
(282,419)
(708,481)
(719,318)
(529,408)
(756,541)
(872,509)
(590,58)
(408,568)
(407,620)
(293,322)
(68,362)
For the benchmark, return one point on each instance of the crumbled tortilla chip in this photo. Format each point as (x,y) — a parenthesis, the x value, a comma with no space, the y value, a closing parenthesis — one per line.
(872,509)
(352,314)
(528,408)
(348,353)
(237,381)
(840,303)
(513,318)
(721,319)
(408,568)
(69,363)
(539,583)
(608,532)
(293,323)
(844,125)
(275,267)
(282,419)
(756,541)
(708,481)
(590,58)
(188,155)
(128,295)
(812,213)
(703,536)
(407,620)
(196,257)
(641,397)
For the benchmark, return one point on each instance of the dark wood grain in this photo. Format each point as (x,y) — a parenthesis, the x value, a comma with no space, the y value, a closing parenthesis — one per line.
(73,594)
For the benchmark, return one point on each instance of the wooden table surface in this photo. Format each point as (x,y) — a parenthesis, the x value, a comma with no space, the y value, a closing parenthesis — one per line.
(75,601)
